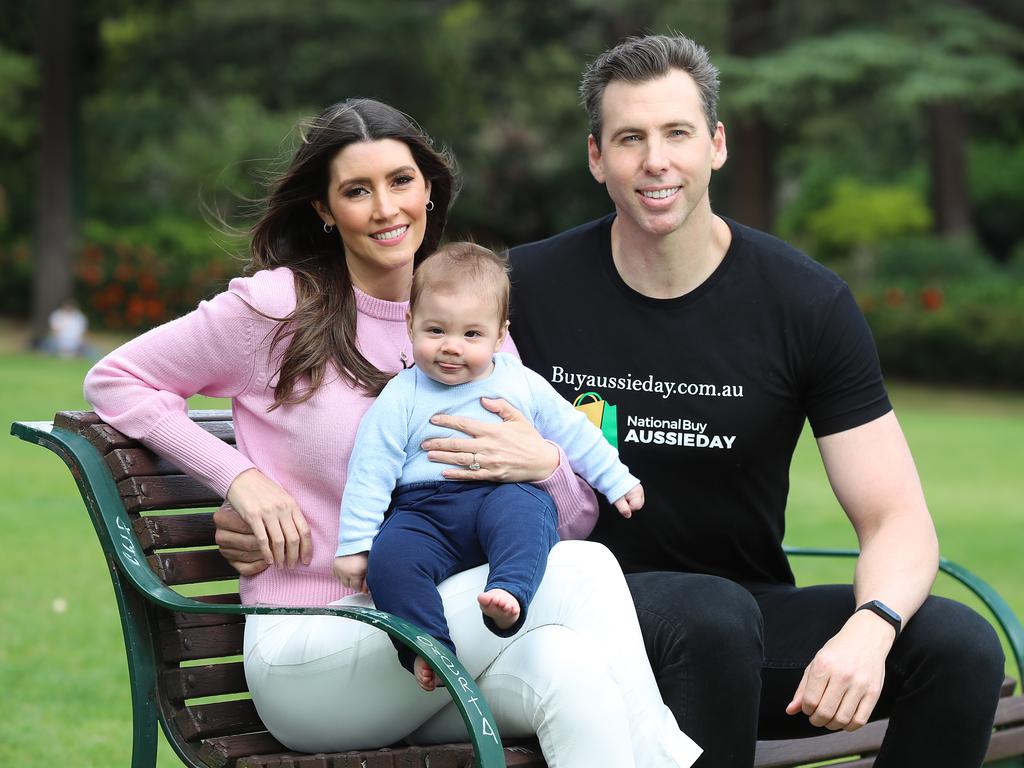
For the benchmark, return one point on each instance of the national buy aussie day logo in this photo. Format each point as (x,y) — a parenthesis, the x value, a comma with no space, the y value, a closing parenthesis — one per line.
(645,429)
(601,413)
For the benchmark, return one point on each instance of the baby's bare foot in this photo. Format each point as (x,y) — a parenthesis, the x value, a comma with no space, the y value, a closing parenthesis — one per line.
(500,606)
(424,674)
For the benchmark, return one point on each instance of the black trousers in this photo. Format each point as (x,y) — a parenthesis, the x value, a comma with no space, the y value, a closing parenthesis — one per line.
(728,658)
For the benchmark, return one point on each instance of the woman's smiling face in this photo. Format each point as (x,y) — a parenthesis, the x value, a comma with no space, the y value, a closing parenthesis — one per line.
(377,198)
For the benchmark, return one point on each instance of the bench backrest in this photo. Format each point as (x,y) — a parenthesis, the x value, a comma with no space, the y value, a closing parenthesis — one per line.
(196,655)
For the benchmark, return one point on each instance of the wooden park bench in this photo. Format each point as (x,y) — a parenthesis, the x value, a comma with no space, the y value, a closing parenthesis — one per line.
(183,651)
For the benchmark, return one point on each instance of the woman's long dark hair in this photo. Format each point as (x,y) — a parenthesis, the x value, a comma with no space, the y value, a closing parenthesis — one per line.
(322,329)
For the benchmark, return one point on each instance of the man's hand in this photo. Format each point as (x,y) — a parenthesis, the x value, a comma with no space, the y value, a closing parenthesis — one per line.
(509,452)
(631,502)
(351,571)
(841,685)
(274,518)
(237,543)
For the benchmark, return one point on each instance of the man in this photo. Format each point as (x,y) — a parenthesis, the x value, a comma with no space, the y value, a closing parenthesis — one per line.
(700,346)
(713,342)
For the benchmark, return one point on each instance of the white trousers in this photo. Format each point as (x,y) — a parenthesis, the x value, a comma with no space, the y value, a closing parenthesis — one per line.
(576,674)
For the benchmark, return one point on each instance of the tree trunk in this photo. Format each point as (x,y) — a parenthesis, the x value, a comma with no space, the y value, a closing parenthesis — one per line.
(52,204)
(950,197)
(751,139)
(753,176)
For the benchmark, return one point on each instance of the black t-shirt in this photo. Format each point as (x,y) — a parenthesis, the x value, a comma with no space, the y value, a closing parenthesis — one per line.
(705,395)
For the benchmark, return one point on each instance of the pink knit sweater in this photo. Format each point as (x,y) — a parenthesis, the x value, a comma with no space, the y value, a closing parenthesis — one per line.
(222,350)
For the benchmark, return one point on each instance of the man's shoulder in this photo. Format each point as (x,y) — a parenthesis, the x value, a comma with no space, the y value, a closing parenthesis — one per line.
(779,263)
(574,243)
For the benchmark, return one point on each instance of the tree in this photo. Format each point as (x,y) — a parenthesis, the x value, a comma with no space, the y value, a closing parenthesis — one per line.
(53,214)
(915,69)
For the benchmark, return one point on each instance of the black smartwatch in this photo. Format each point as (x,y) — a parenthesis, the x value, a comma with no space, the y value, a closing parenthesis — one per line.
(883,611)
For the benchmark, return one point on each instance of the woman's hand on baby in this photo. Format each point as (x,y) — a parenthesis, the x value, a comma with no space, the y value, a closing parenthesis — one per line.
(509,452)
(631,502)
(275,519)
(351,571)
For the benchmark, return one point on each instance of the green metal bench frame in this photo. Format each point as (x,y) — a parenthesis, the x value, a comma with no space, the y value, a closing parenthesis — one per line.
(1000,610)
(135,584)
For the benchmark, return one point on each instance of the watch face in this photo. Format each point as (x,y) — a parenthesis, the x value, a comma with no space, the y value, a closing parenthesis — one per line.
(886,610)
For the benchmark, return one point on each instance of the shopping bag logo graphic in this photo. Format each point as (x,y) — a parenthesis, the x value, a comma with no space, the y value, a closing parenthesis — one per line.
(602,415)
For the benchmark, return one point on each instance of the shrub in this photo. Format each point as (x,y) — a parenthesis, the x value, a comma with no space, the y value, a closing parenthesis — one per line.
(15,278)
(135,278)
(967,333)
(926,258)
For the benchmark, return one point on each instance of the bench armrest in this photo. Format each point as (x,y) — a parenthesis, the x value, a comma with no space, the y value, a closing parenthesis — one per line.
(119,542)
(999,608)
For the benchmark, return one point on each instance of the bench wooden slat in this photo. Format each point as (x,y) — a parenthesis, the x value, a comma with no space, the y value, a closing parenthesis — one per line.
(191,567)
(437,756)
(197,643)
(1005,744)
(525,755)
(106,439)
(1008,739)
(1010,711)
(74,421)
(1006,689)
(165,492)
(208,680)
(222,751)
(125,462)
(772,754)
(174,531)
(200,721)
(174,621)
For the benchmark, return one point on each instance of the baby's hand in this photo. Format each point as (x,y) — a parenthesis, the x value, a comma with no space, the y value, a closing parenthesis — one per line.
(351,571)
(631,502)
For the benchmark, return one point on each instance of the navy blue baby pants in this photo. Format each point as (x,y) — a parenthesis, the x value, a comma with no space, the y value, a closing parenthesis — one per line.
(434,530)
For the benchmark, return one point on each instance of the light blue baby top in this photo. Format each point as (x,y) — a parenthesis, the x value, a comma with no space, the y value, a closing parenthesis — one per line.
(387,451)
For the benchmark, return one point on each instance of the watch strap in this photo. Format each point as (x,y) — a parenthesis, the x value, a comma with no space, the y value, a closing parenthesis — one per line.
(885,613)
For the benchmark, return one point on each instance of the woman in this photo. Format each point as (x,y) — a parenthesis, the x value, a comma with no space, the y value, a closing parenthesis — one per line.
(301,346)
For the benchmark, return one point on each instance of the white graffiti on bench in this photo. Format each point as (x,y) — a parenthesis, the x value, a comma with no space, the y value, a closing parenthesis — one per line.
(127,544)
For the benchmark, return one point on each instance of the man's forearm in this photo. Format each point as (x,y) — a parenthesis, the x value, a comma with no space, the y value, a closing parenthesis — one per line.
(898,562)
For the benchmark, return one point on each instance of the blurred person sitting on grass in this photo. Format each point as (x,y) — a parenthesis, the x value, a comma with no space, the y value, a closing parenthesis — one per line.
(67,328)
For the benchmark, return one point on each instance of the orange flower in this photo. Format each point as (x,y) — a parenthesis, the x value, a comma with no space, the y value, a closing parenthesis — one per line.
(893,297)
(148,283)
(154,310)
(931,298)
(90,273)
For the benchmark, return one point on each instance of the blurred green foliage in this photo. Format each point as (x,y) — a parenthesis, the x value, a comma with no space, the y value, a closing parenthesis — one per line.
(186,110)
(965,333)
(859,214)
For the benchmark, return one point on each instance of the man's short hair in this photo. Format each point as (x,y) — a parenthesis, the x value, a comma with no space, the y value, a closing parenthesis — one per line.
(455,265)
(640,59)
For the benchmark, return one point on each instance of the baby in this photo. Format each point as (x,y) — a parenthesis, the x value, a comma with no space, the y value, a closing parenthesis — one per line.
(433,528)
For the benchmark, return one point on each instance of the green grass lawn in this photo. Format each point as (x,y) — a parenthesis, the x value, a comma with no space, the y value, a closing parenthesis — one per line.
(63,677)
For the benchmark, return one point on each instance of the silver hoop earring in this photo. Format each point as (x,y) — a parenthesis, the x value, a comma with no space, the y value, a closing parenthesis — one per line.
(430,205)
(328,228)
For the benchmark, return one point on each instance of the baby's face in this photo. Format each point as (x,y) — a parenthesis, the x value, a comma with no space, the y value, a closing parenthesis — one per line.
(455,334)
